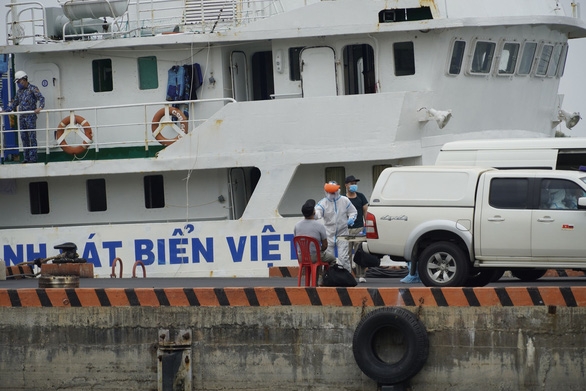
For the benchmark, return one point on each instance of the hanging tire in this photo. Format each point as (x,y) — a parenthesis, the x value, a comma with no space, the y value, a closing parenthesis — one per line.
(443,264)
(390,345)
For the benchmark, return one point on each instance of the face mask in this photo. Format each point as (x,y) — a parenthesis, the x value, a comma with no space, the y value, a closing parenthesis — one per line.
(20,85)
(353,188)
(331,197)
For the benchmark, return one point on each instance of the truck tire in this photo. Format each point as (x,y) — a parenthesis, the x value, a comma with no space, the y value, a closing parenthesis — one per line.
(443,264)
(498,275)
(482,276)
(528,275)
(390,345)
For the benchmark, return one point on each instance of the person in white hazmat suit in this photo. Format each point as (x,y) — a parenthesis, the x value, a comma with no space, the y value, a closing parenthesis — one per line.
(338,213)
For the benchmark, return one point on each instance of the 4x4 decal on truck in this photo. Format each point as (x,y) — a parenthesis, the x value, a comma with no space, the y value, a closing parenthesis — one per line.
(402,217)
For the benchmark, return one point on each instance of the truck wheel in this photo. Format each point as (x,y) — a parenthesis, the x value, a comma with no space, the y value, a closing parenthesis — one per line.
(481,277)
(500,272)
(443,264)
(528,275)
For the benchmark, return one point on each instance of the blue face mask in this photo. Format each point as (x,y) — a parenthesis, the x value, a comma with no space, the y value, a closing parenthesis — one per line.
(20,85)
(353,188)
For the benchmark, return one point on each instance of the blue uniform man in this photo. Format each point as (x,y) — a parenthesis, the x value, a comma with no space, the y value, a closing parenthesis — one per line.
(27,98)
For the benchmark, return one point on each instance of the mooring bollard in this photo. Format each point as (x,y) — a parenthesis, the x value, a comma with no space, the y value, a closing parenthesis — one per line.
(2,270)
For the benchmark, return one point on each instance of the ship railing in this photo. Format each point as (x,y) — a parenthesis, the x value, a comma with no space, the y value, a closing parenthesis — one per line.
(105,127)
(31,23)
(25,23)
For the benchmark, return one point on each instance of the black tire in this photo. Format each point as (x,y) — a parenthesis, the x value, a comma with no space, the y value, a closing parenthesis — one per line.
(498,275)
(528,275)
(404,337)
(443,264)
(481,277)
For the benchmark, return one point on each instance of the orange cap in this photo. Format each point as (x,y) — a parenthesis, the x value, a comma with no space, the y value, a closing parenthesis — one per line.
(331,187)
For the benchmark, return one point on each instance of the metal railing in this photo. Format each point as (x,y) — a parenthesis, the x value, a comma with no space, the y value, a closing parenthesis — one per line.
(26,22)
(101,127)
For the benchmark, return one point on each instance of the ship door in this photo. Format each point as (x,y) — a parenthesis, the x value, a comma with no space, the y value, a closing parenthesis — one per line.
(238,193)
(46,76)
(239,72)
(318,72)
(263,84)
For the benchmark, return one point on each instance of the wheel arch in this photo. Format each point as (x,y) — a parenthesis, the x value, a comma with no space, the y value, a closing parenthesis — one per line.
(438,231)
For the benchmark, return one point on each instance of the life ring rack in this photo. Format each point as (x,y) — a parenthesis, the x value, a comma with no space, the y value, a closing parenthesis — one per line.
(164,118)
(383,325)
(66,126)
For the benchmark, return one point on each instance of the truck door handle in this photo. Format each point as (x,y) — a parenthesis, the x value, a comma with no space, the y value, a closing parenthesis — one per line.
(545,219)
(496,218)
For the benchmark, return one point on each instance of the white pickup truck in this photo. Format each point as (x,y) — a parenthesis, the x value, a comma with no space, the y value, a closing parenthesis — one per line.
(460,225)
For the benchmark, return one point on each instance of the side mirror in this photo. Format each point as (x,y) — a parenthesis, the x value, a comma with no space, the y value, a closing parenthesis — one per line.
(582,203)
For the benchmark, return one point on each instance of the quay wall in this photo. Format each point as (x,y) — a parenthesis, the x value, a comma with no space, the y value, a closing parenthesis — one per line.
(286,338)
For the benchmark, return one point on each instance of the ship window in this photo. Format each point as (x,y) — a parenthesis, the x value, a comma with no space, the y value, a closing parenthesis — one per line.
(359,69)
(404,14)
(39,197)
(457,57)
(337,174)
(483,54)
(96,195)
(563,57)
(552,70)
(526,64)
(544,59)
(404,58)
(148,76)
(294,65)
(154,192)
(508,59)
(102,74)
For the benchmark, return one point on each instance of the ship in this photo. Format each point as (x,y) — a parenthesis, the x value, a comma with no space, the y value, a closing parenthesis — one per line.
(185,136)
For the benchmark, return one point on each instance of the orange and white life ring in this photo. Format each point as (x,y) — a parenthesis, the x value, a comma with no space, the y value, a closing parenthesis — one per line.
(162,119)
(66,124)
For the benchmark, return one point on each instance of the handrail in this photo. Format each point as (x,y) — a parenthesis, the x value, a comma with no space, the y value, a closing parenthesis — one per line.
(19,29)
(141,18)
(111,126)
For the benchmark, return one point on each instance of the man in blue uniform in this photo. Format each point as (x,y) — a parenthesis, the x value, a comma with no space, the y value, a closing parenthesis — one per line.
(26,99)
(360,202)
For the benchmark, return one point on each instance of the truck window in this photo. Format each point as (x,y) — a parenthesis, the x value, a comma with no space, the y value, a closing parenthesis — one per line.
(559,194)
(509,193)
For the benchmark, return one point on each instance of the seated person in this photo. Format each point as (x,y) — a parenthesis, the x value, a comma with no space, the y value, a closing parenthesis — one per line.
(572,196)
(556,199)
(309,226)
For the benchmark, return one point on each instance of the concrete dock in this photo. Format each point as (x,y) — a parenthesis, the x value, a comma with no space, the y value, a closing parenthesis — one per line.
(208,335)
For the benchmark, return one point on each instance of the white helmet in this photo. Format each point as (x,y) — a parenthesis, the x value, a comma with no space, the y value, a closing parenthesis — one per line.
(19,75)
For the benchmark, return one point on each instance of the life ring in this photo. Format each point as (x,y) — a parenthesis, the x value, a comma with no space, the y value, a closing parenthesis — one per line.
(61,133)
(162,119)
(390,326)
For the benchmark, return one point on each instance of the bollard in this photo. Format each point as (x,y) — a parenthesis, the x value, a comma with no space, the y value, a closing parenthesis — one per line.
(2,270)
